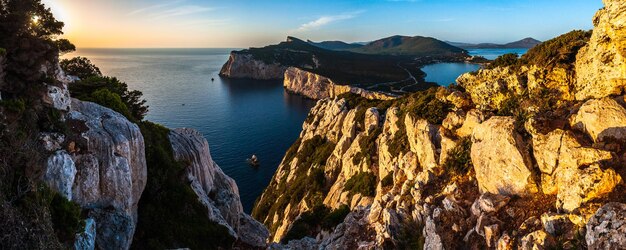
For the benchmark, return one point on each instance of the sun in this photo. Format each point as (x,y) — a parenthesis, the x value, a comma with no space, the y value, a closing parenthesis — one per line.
(60,12)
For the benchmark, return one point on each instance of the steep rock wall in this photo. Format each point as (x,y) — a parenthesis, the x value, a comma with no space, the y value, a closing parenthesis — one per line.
(241,65)
(317,87)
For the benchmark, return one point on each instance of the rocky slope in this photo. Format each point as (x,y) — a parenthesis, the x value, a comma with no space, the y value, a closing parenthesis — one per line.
(317,87)
(520,157)
(100,164)
(241,65)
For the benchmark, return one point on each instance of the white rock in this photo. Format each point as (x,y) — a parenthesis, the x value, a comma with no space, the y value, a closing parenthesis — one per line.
(60,173)
(606,229)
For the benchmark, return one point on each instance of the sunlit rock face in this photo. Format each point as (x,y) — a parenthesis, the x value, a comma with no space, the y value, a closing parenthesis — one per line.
(601,65)
(241,65)
(317,87)
(217,191)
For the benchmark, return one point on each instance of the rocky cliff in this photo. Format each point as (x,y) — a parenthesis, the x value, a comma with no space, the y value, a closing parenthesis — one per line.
(317,87)
(520,157)
(216,191)
(241,65)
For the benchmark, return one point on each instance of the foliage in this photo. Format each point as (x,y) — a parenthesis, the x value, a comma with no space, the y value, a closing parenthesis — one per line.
(363,183)
(310,222)
(111,93)
(388,180)
(506,60)
(65,46)
(170,214)
(560,51)
(14,105)
(66,217)
(514,106)
(3,51)
(80,67)
(29,44)
(410,236)
(459,160)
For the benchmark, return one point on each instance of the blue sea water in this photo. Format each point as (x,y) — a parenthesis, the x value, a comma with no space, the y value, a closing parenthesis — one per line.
(446,73)
(238,117)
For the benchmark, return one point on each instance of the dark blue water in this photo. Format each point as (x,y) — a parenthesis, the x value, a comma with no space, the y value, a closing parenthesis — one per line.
(446,73)
(238,117)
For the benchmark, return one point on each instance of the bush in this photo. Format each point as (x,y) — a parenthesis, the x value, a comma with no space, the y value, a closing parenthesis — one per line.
(170,214)
(459,160)
(17,106)
(311,222)
(3,51)
(363,183)
(560,51)
(111,93)
(505,60)
(66,217)
(80,67)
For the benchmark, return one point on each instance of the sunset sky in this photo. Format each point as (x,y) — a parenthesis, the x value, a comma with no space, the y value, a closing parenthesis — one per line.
(245,23)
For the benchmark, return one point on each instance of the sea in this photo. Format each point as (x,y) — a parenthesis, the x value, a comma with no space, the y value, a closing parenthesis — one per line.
(238,118)
(446,73)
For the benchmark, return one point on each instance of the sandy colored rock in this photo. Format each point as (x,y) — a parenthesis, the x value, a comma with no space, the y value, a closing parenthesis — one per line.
(602,119)
(423,141)
(601,64)
(584,185)
(500,159)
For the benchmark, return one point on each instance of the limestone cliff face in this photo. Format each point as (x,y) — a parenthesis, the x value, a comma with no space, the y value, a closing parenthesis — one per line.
(601,65)
(217,191)
(317,87)
(535,179)
(103,169)
(242,65)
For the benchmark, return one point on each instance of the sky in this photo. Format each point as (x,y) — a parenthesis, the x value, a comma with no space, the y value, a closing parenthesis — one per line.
(255,23)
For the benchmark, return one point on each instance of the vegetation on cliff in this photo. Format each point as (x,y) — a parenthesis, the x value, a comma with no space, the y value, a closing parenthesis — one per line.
(170,214)
(410,46)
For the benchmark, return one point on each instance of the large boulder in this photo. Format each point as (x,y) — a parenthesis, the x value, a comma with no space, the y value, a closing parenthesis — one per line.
(217,191)
(500,158)
(109,157)
(602,119)
(601,65)
(60,173)
(489,88)
(606,229)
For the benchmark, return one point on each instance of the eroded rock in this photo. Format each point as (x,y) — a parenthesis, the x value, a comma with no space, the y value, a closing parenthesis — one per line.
(606,229)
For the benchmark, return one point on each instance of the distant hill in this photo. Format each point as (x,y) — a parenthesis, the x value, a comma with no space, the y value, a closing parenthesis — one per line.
(335,45)
(409,46)
(525,43)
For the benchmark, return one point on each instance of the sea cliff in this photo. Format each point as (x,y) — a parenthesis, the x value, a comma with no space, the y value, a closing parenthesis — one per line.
(520,156)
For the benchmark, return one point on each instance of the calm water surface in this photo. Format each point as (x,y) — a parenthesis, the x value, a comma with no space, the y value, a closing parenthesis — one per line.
(446,73)
(238,117)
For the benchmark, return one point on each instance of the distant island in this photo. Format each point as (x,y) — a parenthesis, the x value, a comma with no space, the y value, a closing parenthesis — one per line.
(525,43)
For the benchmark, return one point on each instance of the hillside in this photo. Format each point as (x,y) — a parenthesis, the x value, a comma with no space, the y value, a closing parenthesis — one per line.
(525,43)
(335,45)
(409,46)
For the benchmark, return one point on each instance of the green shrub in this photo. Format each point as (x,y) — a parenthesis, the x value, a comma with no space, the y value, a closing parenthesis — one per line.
(363,183)
(111,93)
(66,218)
(3,51)
(505,60)
(311,222)
(80,67)
(560,51)
(170,214)
(17,106)
(459,160)
(387,181)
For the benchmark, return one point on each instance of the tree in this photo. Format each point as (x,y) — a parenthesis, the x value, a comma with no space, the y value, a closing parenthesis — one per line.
(81,67)
(65,46)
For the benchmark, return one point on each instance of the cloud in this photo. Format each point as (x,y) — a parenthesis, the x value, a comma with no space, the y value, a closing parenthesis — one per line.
(325,20)
(180,11)
(154,7)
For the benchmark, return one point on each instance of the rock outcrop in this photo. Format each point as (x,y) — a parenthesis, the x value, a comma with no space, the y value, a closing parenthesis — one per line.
(216,191)
(606,229)
(501,160)
(108,153)
(243,65)
(601,65)
(317,87)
